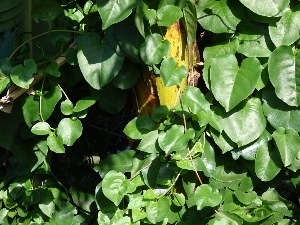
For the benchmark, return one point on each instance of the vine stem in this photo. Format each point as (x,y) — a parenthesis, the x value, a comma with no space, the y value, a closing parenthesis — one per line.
(62,90)
(190,155)
(145,167)
(39,35)
(41,113)
(177,177)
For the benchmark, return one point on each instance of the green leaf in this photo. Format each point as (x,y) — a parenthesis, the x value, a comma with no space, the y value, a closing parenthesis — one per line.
(47,10)
(205,195)
(245,197)
(22,76)
(284,67)
(267,8)
(41,128)
(138,127)
(158,210)
(115,186)
(248,152)
(219,16)
(230,83)
(286,30)
(65,215)
(121,162)
(109,94)
(190,21)
(3,214)
(246,123)
(53,69)
(114,11)
(154,49)
(194,100)
(267,162)
(168,143)
(70,130)
(278,113)
(127,76)
(4,81)
(150,173)
(55,144)
(288,143)
(168,14)
(66,107)
(149,143)
(85,103)
(170,73)
(49,100)
(98,62)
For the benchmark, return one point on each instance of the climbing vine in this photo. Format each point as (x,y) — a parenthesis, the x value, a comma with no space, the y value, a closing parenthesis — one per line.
(211,96)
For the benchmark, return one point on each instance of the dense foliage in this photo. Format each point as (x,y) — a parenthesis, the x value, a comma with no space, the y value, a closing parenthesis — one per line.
(227,153)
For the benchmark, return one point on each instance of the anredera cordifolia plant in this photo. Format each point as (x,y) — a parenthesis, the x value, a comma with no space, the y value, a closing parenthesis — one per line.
(227,153)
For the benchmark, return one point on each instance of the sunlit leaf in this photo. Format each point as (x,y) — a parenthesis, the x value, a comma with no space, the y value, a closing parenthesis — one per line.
(114,11)
(70,130)
(170,73)
(168,14)
(22,75)
(206,195)
(158,210)
(41,128)
(284,67)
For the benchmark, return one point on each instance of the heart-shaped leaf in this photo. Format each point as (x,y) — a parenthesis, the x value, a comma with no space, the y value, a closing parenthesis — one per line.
(168,14)
(230,83)
(267,7)
(288,143)
(205,195)
(149,142)
(115,186)
(170,73)
(158,210)
(219,16)
(53,69)
(47,10)
(98,62)
(278,113)
(154,49)
(245,124)
(70,130)
(114,11)
(267,162)
(22,76)
(286,30)
(138,127)
(284,70)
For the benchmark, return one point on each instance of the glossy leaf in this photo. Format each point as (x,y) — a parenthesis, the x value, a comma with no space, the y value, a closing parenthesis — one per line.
(138,127)
(115,186)
(66,107)
(154,49)
(158,210)
(278,113)
(194,100)
(4,81)
(65,215)
(205,195)
(230,83)
(219,16)
(85,103)
(70,130)
(288,144)
(98,62)
(22,75)
(168,14)
(149,143)
(55,144)
(170,73)
(41,128)
(286,30)
(245,197)
(267,162)
(266,8)
(113,11)
(246,123)
(284,67)
(168,143)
